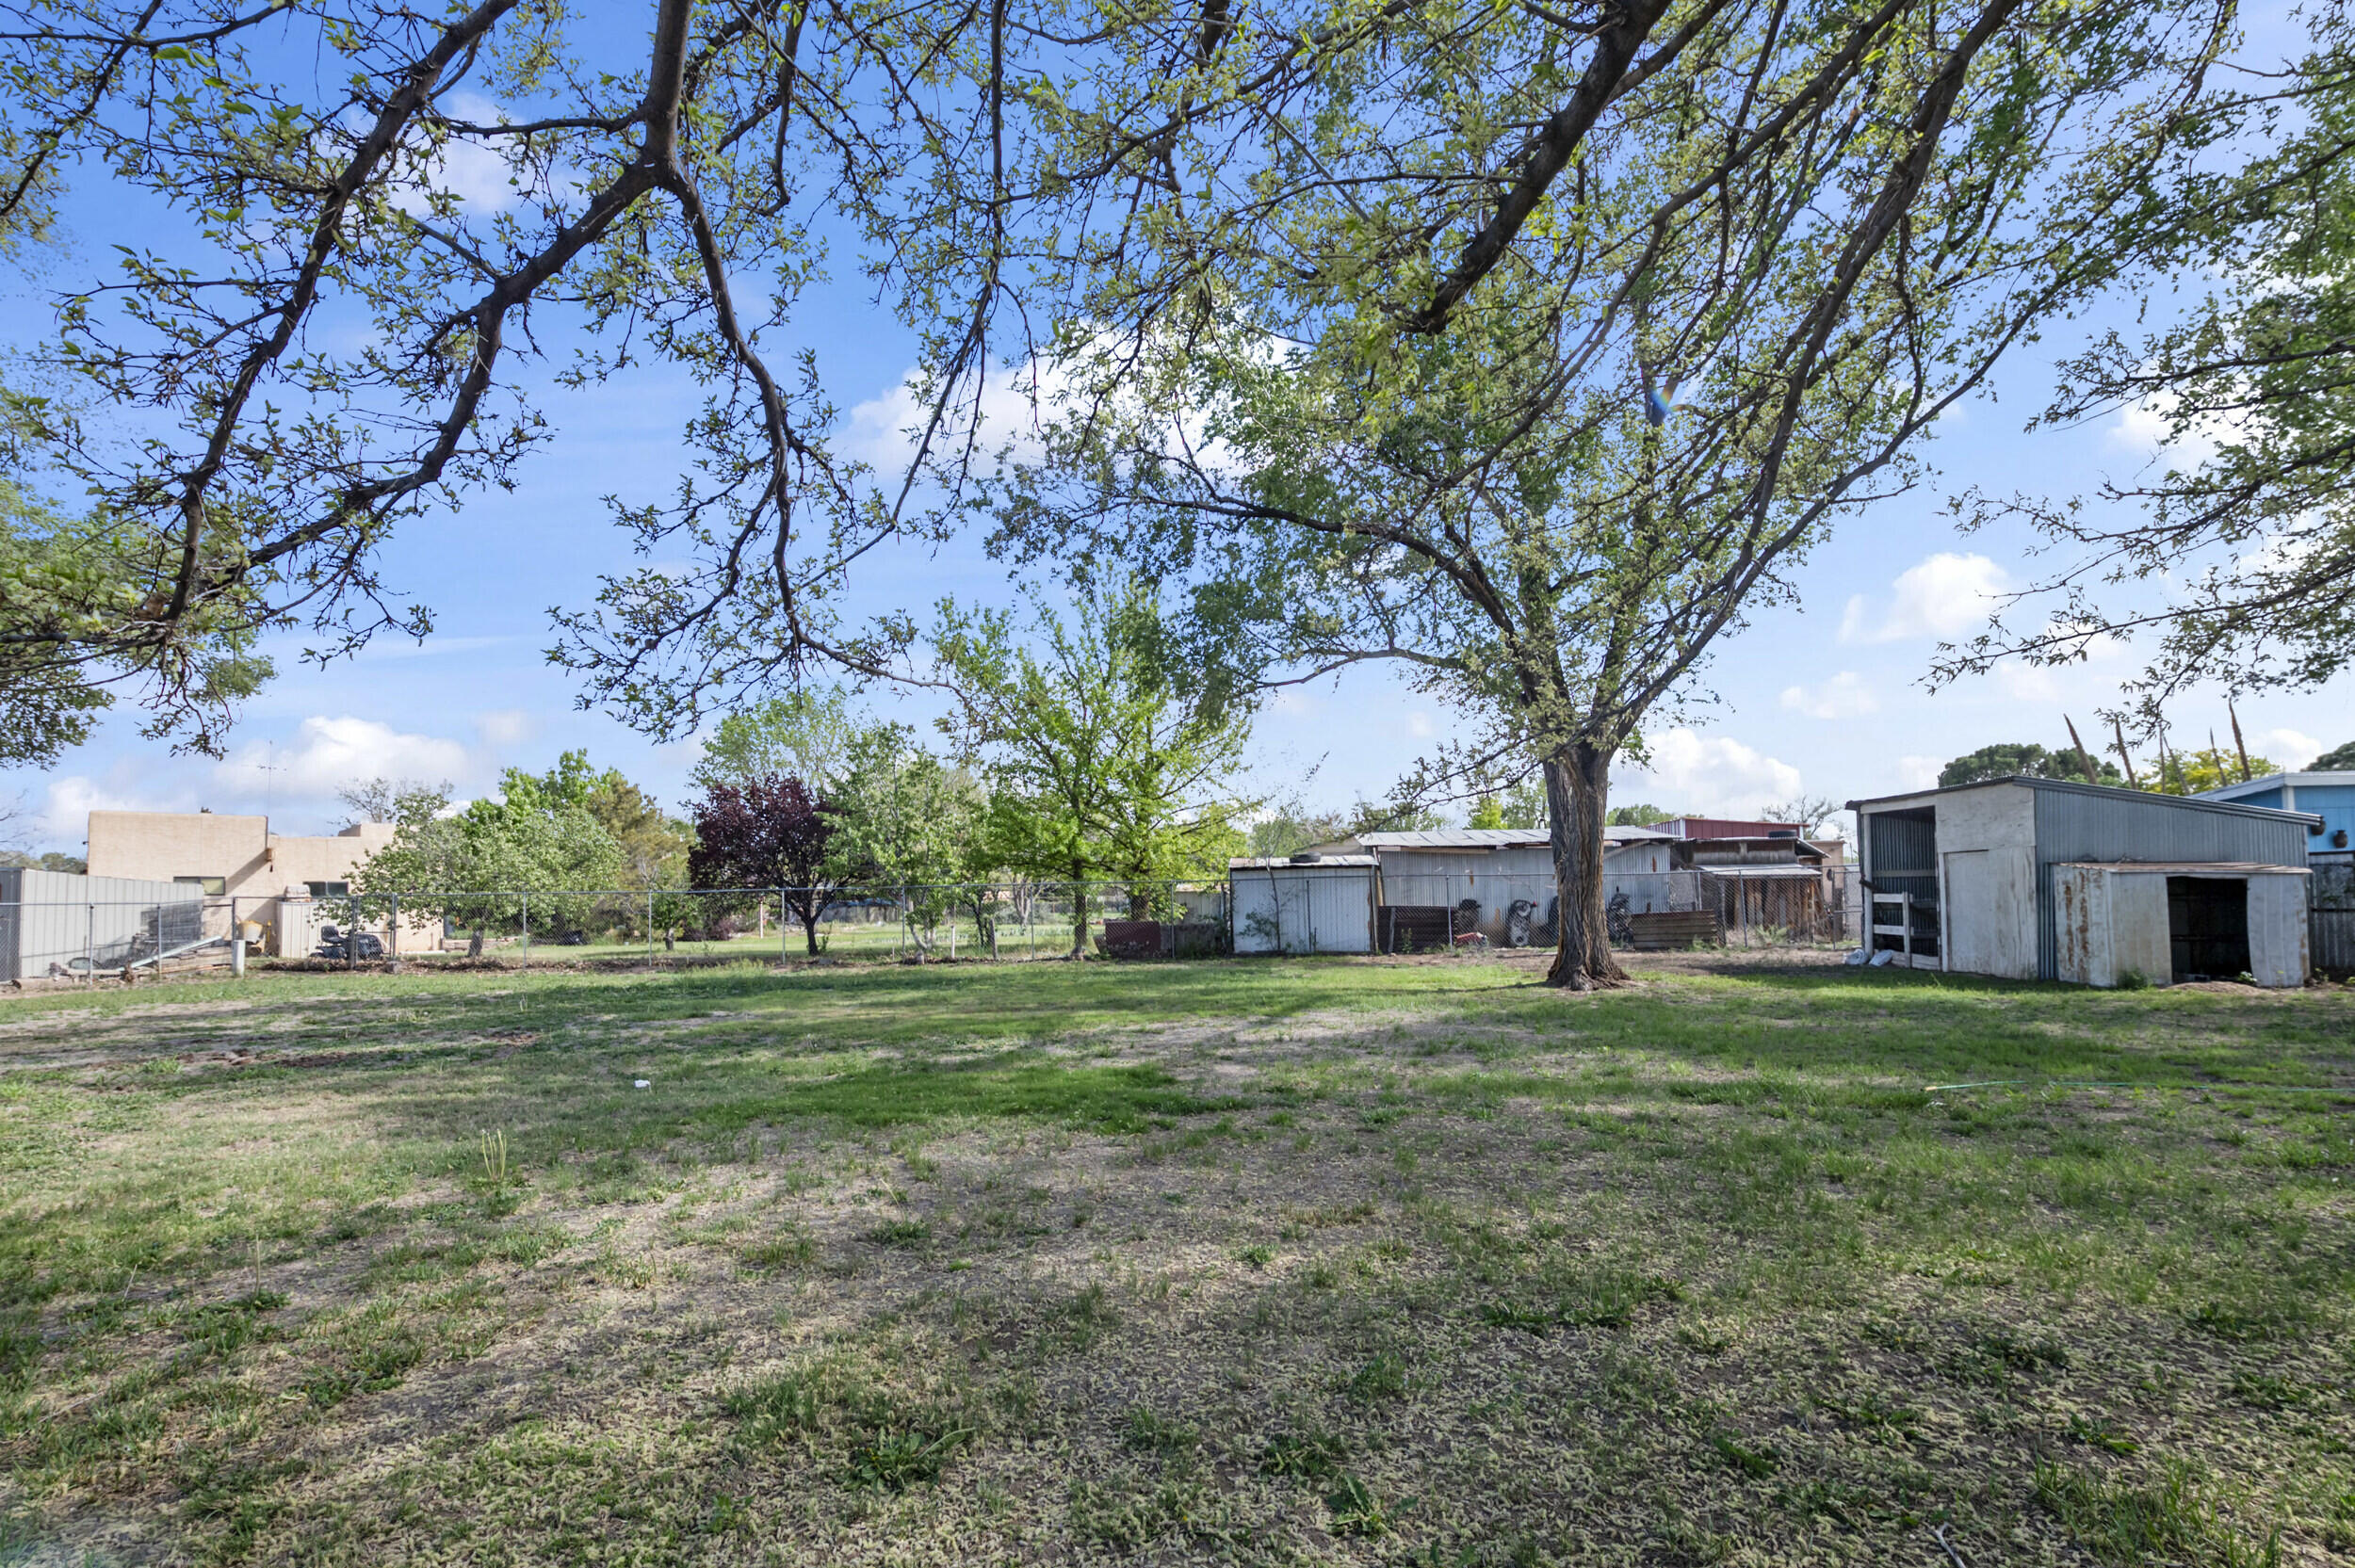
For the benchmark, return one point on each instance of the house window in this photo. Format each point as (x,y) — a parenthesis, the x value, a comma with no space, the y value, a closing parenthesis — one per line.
(212,887)
(329,890)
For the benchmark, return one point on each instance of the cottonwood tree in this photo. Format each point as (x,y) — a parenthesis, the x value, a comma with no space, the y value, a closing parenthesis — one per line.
(380,234)
(2231,553)
(1531,349)
(1113,745)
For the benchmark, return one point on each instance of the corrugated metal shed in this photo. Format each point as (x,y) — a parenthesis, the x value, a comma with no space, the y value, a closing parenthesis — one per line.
(1980,860)
(1320,906)
(55,920)
(2081,823)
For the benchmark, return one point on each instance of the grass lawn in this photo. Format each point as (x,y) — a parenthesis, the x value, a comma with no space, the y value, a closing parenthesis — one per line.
(1314,1262)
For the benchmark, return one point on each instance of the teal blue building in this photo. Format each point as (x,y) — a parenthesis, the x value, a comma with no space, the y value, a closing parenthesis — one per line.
(2329,796)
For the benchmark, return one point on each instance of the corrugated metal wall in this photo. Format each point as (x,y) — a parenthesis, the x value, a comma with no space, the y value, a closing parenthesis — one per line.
(1495,879)
(1305,909)
(53,919)
(2116,825)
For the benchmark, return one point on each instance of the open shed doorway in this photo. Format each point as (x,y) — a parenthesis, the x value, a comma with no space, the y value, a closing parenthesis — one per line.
(2207,926)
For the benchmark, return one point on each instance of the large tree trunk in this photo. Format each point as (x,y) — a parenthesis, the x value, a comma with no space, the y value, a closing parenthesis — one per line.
(1080,920)
(1577,786)
(809,914)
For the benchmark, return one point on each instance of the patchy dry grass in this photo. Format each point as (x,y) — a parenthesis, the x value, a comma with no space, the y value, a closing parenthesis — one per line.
(1300,1262)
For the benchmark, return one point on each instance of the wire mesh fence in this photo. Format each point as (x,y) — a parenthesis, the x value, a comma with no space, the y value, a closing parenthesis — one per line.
(1317,908)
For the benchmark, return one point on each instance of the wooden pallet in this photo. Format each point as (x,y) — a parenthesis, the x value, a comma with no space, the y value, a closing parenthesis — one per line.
(1675,930)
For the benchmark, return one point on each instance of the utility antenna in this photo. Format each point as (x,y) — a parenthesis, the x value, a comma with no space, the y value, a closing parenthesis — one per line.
(270,785)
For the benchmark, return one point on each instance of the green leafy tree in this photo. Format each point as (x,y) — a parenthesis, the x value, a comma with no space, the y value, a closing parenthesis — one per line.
(804,734)
(474,868)
(1113,743)
(1638,816)
(1542,397)
(906,821)
(2337,759)
(2231,556)
(2197,772)
(2006,760)
(71,590)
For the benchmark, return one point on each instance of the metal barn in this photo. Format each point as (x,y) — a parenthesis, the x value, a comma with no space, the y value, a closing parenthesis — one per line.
(1309,904)
(1972,879)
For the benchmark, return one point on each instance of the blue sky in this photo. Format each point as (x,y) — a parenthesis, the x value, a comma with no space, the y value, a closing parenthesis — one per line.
(1822,696)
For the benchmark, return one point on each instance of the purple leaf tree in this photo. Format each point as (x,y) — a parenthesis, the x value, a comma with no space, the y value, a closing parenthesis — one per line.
(771,833)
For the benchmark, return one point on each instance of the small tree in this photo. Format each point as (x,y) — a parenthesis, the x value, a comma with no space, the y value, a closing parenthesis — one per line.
(1804,812)
(477,867)
(904,820)
(771,833)
(1114,746)
(804,734)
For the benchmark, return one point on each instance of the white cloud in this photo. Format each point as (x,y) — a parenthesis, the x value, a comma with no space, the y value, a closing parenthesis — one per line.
(1915,772)
(479,174)
(2145,428)
(2027,683)
(1707,774)
(1419,726)
(1845,696)
(327,754)
(67,803)
(2292,748)
(885,430)
(1944,595)
(503,727)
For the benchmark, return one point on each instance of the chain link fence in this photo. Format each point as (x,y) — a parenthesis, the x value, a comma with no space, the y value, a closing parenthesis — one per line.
(83,940)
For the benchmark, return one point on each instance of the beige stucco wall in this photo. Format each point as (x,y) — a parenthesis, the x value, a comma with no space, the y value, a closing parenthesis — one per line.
(258,868)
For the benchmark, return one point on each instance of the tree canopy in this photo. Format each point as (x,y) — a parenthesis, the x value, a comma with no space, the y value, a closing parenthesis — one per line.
(1532,355)
(2006,760)
(1114,745)
(2231,557)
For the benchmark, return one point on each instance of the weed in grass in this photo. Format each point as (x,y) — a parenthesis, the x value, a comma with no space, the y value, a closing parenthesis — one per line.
(2172,1518)
(1146,1428)
(884,1438)
(1257,1256)
(898,1460)
(2101,1435)
(1383,1378)
(1356,1510)
(1608,1298)
(1757,1462)
(1304,1456)
(1127,1512)
(2243,1322)
(901,1232)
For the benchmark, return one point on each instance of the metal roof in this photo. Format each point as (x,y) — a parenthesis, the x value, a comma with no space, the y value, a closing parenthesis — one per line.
(2275,781)
(1459,838)
(1284,863)
(2110,792)
(1753,873)
(2192,867)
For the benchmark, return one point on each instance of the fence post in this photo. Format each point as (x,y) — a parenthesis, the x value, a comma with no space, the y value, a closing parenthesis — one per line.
(952,932)
(784,943)
(527,931)
(650,925)
(90,942)
(392,934)
(351,932)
